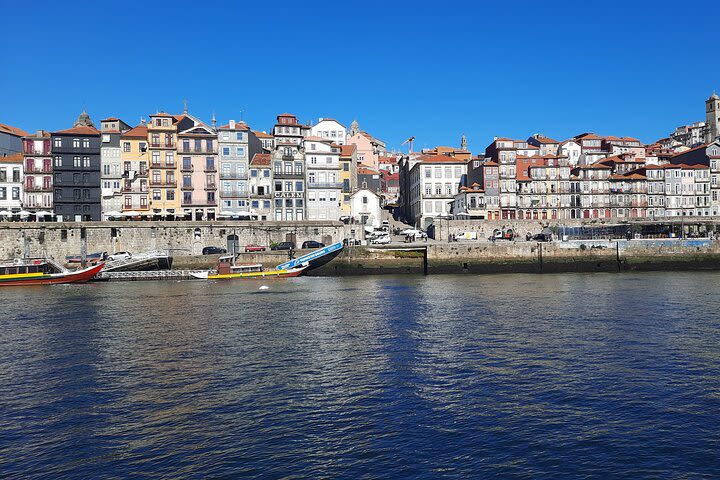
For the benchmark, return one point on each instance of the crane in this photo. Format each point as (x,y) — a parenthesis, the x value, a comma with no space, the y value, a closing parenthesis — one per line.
(409,141)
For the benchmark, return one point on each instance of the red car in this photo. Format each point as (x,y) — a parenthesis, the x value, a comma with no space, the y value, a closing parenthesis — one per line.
(254,248)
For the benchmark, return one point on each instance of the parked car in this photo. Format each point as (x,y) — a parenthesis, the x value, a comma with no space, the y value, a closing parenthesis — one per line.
(283,246)
(254,248)
(312,244)
(505,234)
(381,240)
(213,250)
(119,256)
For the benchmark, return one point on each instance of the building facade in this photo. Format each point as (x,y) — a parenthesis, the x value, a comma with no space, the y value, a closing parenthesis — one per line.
(324,188)
(434,182)
(261,186)
(348,176)
(110,166)
(235,154)
(11,183)
(197,147)
(134,168)
(76,172)
(38,172)
(288,161)
(11,139)
(164,170)
(331,130)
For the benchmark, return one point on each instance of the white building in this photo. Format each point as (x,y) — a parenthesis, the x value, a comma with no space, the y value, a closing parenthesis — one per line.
(11,178)
(571,150)
(434,181)
(111,175)
(329,129)
(365,207)
(324,187)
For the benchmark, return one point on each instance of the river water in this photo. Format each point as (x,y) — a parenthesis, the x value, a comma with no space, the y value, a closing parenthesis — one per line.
(498,376)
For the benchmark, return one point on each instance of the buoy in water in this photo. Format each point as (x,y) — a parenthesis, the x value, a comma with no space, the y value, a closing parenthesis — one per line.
(264,287)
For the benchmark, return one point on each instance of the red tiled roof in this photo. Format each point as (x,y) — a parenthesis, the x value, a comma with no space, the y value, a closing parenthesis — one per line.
(163,114)
(18,132)
(367,171)
(262,134)
(260,159)
(12,158)
(391,160)
(545,140)
(439,159)
(40,134)
(347,150)
(238,126)
(79,131)
(317,139)
(110,119)
(141,131)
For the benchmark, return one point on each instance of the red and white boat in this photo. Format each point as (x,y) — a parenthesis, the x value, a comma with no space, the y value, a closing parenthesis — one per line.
(39,271)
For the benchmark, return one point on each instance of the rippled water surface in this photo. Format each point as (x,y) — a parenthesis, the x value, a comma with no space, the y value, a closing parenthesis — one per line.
(553,376)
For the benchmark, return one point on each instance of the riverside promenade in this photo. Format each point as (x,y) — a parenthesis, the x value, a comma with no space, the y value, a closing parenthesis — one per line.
(185,241)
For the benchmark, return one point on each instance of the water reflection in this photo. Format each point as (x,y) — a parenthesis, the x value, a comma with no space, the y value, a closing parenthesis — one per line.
(526,375)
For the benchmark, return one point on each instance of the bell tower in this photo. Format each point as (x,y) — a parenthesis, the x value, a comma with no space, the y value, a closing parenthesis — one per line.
(712,119)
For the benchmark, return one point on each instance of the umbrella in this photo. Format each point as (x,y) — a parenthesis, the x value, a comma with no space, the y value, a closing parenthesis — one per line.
(6,213)
(24,213)
(131,213)
(113,213)
(43,213)
(226,214)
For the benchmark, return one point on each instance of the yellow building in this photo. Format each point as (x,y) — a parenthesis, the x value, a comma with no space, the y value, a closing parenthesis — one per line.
(134,162)
(348,176)
(164,167)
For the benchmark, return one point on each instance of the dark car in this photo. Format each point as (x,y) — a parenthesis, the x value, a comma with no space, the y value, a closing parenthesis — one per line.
(213,250)
(312,244)
(283,246)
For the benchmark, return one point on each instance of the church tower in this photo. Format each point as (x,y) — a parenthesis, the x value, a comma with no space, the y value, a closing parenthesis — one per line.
(712,120)
(83,120)
(354,128)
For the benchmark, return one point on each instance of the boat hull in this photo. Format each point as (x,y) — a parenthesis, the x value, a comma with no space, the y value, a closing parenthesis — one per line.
(291,272)
(79,276)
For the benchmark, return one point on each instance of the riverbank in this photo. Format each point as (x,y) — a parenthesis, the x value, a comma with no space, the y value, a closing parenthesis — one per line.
(499,257)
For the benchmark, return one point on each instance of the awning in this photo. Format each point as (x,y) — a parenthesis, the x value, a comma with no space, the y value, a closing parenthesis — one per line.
(43,213)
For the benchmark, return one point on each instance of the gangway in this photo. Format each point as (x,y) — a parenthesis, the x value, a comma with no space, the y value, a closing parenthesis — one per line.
(314,257)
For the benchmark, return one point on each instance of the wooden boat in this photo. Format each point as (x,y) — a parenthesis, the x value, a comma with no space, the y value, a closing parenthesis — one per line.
(227,269)
(42,272)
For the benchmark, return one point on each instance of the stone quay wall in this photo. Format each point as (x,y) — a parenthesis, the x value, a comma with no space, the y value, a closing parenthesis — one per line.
(58,240)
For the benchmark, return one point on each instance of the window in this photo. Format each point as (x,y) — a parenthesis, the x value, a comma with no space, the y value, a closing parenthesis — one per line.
(86,162)
(57,142)
(76,143)
(170,195)
(226,151)
(240,151)
(86,143)
(126,146)
(76,161)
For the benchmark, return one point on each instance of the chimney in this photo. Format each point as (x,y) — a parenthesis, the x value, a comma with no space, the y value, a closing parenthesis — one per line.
(232,124)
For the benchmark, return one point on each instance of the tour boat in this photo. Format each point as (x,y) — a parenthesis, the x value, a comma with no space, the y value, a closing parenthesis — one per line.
(226,269)
(37,271)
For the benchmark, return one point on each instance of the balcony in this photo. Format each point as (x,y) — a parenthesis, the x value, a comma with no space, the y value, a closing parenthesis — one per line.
(134,190)
(638,203)
(234,176)
(199,203)
(38,188)
(447,196)
(187,186)
(163,165)
(211,186)
(234,194)
(162,145)
(297,175)
(167,183)
(210,168)
(325,185)
(187,168)
(203,150)
(40,170)
(260,195)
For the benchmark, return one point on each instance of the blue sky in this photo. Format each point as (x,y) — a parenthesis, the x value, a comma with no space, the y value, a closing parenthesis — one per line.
(433,70)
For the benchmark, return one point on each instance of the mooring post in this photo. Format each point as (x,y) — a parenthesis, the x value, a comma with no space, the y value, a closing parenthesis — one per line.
(425,261)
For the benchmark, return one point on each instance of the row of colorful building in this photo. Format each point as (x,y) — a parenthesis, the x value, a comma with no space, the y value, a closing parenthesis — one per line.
(585,177)
(179,167)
